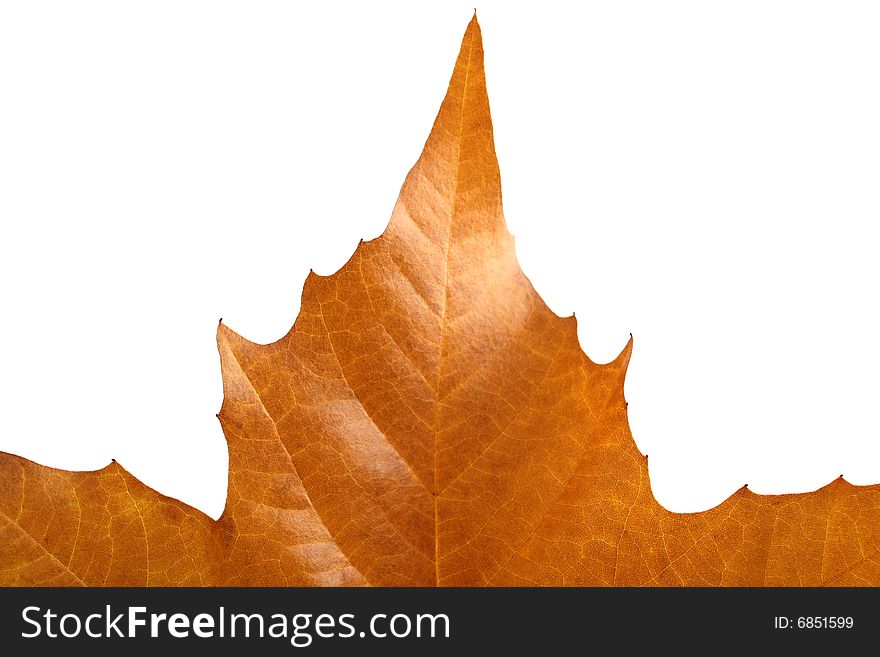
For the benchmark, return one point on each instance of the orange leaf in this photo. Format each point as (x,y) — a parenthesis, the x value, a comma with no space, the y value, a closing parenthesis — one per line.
(427,421)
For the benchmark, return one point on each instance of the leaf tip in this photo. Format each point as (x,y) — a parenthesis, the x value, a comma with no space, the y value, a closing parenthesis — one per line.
(474,23)
(623,357)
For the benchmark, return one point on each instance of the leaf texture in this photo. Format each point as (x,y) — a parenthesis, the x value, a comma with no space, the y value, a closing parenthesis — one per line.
(427,421)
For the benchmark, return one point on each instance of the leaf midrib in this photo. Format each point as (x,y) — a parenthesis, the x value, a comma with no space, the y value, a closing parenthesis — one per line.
(443,313)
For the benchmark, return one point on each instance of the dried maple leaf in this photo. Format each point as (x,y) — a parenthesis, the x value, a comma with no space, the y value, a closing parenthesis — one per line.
(427,420)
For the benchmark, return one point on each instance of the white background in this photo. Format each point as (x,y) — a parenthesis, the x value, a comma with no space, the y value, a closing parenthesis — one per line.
(703,175)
